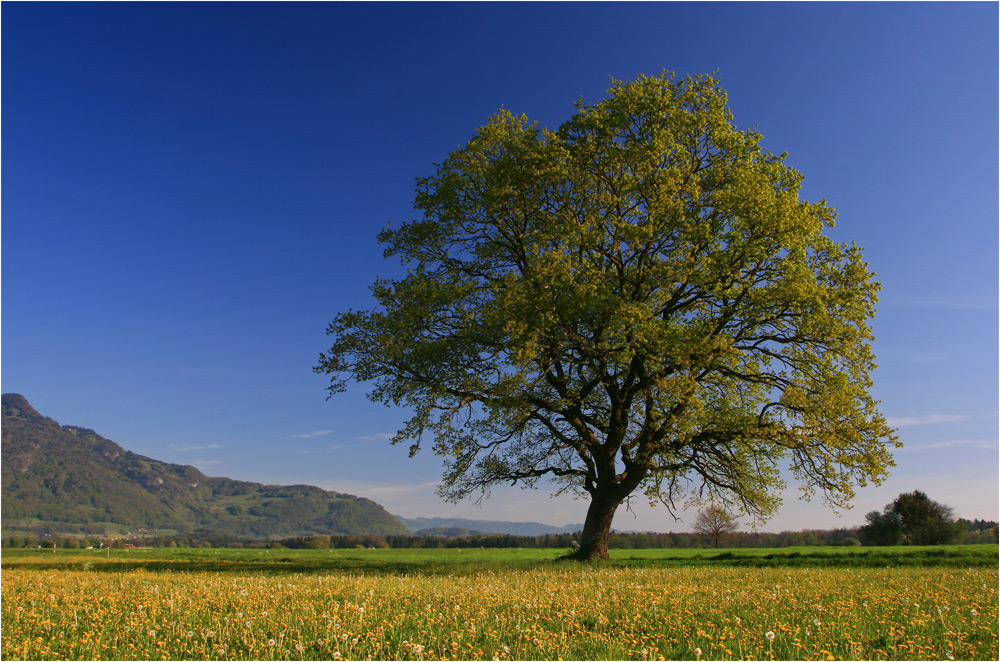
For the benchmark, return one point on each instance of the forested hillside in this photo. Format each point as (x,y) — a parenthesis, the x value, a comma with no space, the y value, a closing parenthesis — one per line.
(67,479)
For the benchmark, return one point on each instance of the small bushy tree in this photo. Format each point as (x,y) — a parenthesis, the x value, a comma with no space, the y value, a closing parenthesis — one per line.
(716,524)
(926,522)
(912,519)
(321,541)
(881,529)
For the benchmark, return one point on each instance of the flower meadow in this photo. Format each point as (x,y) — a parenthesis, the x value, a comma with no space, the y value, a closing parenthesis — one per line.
(552,611)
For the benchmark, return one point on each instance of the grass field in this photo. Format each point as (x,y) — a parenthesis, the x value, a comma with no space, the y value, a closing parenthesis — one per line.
(804,603)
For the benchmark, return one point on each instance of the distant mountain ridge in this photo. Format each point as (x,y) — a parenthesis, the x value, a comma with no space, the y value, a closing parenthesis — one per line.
(70,479)
(418,524)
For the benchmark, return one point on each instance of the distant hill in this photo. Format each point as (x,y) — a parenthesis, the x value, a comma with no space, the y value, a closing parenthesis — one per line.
(69,479)
(434,525)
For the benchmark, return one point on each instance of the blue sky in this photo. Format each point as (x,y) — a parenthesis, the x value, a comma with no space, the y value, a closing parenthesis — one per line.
(191,192)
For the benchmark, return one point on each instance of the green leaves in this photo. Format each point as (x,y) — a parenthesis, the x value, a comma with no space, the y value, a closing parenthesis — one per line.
(637,298)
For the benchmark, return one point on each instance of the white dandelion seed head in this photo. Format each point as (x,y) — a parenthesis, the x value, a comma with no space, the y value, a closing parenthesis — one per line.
(769,635)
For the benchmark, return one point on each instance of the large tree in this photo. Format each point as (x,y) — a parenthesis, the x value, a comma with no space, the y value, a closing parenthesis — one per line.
(636,301)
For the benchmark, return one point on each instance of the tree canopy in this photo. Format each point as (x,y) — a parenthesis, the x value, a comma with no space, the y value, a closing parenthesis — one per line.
(638,300)
(912,519)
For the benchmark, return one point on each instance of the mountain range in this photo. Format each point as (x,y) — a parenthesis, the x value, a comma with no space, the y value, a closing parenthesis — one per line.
(68,479)
(64,479)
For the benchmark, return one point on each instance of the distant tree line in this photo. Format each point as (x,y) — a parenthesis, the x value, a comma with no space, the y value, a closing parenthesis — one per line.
(972,532)
(914,519)
(911,519)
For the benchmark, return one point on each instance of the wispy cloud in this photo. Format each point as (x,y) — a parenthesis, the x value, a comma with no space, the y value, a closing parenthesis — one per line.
(310,435)
(984,444)
(405,490)
(929,419)
(185,449)
(378,436)
(385,494)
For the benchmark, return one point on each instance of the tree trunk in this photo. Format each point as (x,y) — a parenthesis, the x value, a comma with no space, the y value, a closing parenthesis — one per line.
(596,529)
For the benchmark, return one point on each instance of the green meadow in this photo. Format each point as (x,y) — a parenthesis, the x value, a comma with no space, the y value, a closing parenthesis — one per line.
(790,603)
(456,560)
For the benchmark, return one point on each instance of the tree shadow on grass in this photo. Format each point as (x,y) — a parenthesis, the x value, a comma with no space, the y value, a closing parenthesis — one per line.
(282,566)
(899,557)
(340,562)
